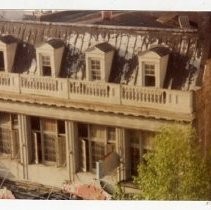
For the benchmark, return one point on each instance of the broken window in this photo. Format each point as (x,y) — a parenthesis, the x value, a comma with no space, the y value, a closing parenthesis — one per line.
(149,74)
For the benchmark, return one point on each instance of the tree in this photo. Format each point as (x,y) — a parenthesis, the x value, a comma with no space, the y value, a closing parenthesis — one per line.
(175,169)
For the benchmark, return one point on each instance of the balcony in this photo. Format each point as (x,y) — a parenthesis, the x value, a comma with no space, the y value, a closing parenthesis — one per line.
(174,101)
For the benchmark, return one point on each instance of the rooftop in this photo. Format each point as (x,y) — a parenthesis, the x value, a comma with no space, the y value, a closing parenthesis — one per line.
(185,45)
(125,18)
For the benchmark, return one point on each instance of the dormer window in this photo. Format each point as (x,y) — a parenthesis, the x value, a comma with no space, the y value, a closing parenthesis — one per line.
(49,57)
(152,67)
(95,69)
(99,61)
(46,65)
(149,74)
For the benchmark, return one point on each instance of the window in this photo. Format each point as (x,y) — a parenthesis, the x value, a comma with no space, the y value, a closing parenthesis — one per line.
(95,70)
(9,135)
(48,141)
(2,67)
(135,157)
(149,74)
(46,65)
(100,142)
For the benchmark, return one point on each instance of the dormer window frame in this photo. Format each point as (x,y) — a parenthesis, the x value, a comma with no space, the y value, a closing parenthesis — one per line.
(54,50)
(46,63)
(157,59)
(149,73)
(103,53)
(95,69)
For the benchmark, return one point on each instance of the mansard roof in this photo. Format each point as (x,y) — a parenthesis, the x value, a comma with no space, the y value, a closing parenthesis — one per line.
(127,42)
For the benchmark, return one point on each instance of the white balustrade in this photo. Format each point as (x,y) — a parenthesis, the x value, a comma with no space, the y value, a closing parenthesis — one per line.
(9,82)
(45,86)
(160,99)
(93,91)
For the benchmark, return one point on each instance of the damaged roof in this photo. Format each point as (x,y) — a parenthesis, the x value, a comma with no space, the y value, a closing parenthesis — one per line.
(127,42)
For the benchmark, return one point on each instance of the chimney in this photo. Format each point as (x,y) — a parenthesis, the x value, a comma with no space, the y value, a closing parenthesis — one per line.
(106,15)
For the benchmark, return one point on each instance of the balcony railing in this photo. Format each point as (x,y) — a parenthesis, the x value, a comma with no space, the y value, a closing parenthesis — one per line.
(99,92)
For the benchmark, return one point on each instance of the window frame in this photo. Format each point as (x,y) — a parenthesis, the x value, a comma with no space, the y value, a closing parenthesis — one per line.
(95,69)
(46,63)
(149,72)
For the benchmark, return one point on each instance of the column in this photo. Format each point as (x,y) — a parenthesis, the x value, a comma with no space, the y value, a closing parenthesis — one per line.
(24,132)
(122,151)
(71,148)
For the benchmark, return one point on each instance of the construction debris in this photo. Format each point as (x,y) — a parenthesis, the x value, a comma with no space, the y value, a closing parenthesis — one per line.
(34,191)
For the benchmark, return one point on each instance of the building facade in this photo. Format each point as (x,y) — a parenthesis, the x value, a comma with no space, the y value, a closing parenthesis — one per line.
(80,103)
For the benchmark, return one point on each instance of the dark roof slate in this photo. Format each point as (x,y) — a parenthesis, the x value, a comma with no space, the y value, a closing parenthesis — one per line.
(161,51)
(55,43)
(8,39)
(105,47)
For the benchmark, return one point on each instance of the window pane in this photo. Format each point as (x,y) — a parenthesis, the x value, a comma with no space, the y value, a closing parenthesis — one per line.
(5,141)
(46,60)
(98,152)
(49,125)
(111,134)
(135,160)
(150,81)
(149,69)
(97,132)
(95,70)
(49,148)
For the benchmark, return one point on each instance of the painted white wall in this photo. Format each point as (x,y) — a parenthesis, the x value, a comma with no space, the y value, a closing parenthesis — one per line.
(9,51)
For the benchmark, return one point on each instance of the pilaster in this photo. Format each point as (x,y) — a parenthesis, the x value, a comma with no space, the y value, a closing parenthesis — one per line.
(71,148)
